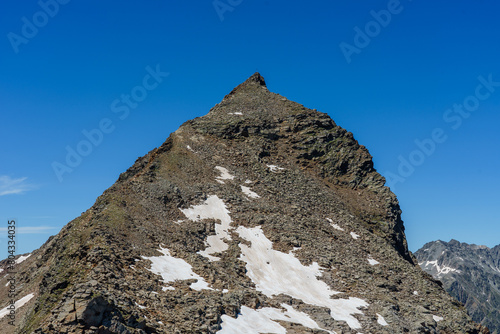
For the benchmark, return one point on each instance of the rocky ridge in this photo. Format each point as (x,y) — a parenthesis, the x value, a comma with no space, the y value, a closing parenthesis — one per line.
(262,216)
(470,273)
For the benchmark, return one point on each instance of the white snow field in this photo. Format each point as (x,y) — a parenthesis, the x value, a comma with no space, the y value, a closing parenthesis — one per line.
(262,321)
(247,191)
(212,208)
(275,272)
(171,269)
(274,168)
(5,311)
(337,227)
(381,321)
(225,175)
(440,271)
(437,318)
(22,258)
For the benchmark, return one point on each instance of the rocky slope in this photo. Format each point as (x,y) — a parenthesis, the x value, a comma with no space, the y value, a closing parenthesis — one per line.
(262,216)
(470,273)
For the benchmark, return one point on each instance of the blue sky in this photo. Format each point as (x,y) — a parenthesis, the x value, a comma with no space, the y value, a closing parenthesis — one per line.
(129,74)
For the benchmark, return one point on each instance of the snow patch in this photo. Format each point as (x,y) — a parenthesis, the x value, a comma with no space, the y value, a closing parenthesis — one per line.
(171,269)
(415,293)
(247,191)
(263,320)
(248,181)
(225,175)
(274,168)
(436,269)
(189,148)
(373,262)
(381,321)
(437,319)
(354,235)
(212,208)
(140,306)
(235,113)
(22,258)
(335,226)
(274,272)
(17,304)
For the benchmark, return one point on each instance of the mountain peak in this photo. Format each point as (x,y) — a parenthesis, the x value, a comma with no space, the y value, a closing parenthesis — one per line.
(256,78)
(469,273)
(261,209)
(250,86)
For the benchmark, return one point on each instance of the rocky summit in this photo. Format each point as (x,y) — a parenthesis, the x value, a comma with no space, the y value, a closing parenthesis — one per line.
(470,273)
(262,216)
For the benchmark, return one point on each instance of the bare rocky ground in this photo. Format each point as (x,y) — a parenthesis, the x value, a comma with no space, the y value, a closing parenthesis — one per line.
(310,188)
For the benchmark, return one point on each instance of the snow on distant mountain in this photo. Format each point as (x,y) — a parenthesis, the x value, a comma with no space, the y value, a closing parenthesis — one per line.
(470,273)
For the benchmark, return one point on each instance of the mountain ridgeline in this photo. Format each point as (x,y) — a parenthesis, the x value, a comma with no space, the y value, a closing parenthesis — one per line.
(470,273)
(262,216)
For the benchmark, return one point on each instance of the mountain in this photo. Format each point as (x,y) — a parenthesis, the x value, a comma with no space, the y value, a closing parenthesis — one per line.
(470,273)
(262,216)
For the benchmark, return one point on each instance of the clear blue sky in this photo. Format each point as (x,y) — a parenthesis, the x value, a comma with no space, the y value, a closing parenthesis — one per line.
(390,82)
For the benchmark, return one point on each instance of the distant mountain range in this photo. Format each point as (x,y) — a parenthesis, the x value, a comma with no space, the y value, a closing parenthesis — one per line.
(470,273)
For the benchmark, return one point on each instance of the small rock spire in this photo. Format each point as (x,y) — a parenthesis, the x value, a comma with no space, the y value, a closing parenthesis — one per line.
(257,78)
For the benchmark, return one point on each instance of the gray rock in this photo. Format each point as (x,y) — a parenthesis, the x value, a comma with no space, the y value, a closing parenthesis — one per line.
(470,273)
